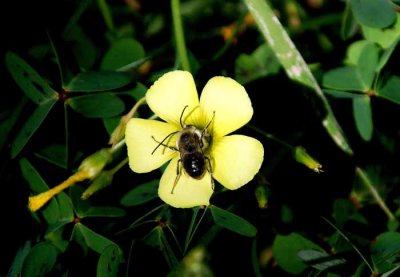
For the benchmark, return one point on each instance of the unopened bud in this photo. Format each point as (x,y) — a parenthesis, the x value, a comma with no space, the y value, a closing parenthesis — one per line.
(95,163)
(301,156)
(103,180)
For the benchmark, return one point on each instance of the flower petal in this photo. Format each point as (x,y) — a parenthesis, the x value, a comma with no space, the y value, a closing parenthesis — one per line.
(138,136)
(188,192)
(236,159)
(168,96)
(230,102)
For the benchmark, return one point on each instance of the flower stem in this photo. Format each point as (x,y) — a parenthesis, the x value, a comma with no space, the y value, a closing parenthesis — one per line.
(270,136)
(375,194)
(179,38)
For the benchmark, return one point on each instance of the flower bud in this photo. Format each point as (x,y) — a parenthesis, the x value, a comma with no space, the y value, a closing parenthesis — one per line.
(301,156)
(95,163)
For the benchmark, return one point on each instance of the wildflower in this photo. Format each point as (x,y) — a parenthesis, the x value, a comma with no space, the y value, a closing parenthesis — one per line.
(224,107)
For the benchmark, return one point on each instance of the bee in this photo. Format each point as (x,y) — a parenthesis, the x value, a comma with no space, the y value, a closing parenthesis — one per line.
(191,143)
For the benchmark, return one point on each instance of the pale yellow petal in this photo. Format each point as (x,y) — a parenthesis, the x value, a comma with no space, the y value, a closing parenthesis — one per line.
(140,144)
(230,102)
(236,159)
(168,96)
(188,191)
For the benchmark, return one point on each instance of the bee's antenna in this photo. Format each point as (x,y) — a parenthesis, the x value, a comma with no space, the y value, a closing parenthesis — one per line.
(183,111)
(178,174)
(162,143)
(208,125)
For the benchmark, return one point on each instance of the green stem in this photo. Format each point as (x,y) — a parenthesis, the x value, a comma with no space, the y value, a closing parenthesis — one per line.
(106,13)
(179,38)
(119,166)
(270,136)
(375,194)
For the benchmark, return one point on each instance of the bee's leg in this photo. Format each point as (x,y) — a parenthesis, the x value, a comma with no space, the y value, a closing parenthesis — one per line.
(210,170)
(163,144)
(178,174)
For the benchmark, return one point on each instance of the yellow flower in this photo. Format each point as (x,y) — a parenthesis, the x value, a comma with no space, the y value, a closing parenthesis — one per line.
(224,107)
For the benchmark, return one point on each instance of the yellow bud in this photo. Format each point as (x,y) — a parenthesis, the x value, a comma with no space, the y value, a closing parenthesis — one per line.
(301,156)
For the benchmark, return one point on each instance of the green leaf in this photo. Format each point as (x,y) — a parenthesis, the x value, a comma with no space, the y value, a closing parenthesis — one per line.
(363,116)
(92,81)
(86,236)
(51,212)
(383,37)
(319,260)
(387,54)
(104,179)
(373,13)
(294,64)
(29,80)
(82,6)
(141,194)
(84,50)
(9,121)
(391,90)
(99,105)
(16,267)
(54,154)
(121,53)
(232,222)
(354,52)
(340,94)
(344,78)
(344,210)
(262,62)
(386,252)
(109,261)
(40,260)
(348,26)
(156,238)
(367,63)
(286,250)
(66,208)
(30,126)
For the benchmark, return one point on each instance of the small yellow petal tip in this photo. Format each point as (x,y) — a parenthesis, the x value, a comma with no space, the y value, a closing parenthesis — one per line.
(301,156)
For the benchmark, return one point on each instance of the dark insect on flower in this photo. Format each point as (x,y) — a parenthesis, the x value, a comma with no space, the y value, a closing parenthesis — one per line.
(191,143)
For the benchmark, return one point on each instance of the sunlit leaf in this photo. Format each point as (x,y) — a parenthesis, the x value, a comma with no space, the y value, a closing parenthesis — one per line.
(383,37)
(286,250)
(390,90)
(30,127)
(232,222)
(109,261)
(93,240)
(40,260)
(91,81)
(121,53)
(340,94)
(97,105)
(373,13)
(29,80)
(354,52)
(141,194)
(363,116)
(386,252)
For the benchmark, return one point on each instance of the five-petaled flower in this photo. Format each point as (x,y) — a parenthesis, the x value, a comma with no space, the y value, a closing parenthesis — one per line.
(224,107)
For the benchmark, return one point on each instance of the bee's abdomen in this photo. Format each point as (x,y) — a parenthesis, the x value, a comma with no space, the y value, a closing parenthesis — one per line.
(194,165)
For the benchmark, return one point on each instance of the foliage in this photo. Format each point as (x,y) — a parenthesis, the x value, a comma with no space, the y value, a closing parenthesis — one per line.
(325,87)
